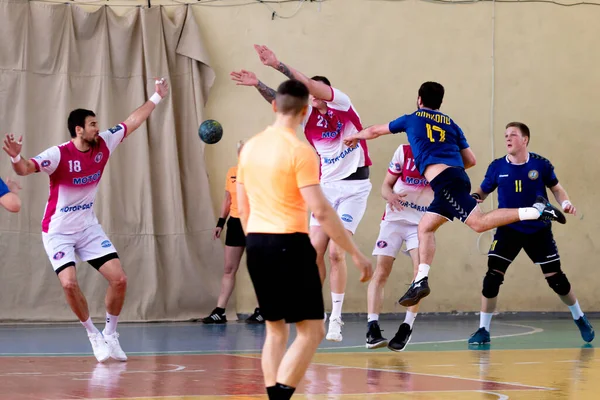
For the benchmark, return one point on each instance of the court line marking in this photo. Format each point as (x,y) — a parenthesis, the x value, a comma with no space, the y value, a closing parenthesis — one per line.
(534,330)
(424,374)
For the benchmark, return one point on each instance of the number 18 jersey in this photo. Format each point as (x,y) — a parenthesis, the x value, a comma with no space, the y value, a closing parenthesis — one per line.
(74,178)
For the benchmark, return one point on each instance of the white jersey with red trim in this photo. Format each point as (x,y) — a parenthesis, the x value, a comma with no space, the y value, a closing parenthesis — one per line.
(410,182)
(74,178)
(326,133)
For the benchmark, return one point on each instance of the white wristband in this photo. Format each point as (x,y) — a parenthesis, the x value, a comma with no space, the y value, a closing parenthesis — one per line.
(565,204)
(155,98)
(16,159)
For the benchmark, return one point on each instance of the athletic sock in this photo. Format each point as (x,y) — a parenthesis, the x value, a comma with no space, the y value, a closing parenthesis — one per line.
(372,317)
(272,392)
(111,324)
(337,299)
(423,272)
(576,310)
(283,392)
(529,213)
(410,318)
(219,310)
(485,319)
(89,326)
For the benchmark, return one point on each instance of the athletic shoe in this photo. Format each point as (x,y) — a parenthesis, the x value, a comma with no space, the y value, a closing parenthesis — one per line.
(116,351)
(586,329)
(399,342)
(335,330)
(215,318)
(255,318)
(101,349)
(374,338)
(482,336)
(548,212)
(415,293)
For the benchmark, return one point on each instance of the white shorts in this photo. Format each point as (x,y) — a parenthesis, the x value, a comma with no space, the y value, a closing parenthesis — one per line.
(349,199)
(87,245)
(392,234)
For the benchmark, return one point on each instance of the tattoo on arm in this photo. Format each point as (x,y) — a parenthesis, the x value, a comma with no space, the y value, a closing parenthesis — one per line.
(285,70)
(266,92)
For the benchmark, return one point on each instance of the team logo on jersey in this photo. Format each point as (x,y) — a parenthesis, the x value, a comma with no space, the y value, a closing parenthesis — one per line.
(533,174)
(59,255)
(347,218)
(382,244)
(115,129)
(106,243)
(45,163)
(98,157)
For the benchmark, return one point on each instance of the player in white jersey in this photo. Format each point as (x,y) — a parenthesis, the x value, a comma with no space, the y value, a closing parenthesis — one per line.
(70,228)
(344,177)
(408,195)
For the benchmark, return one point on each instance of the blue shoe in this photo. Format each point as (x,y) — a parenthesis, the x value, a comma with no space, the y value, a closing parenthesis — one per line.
(586,329)
(480,337)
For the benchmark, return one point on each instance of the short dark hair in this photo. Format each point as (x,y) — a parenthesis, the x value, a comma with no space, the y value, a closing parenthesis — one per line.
(521,127)
(77,118)
(321,79)
(431,94)
(291,97)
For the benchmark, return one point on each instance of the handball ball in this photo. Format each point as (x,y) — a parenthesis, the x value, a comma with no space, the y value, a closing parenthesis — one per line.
(210,131)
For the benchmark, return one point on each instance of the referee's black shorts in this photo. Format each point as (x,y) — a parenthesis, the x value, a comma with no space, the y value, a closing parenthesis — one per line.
(284,272)
(235,233)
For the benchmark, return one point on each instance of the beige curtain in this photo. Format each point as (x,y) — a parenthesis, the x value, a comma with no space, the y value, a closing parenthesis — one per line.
(154,200)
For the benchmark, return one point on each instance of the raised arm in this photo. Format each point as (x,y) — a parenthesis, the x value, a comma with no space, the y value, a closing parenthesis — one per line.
(318,89)
(248,78)
(137,118)
(9,195)
(372,132)
(12,147)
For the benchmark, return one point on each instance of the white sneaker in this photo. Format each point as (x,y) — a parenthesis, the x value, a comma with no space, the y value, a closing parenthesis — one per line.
(116,351)
(335,330)
(101,349)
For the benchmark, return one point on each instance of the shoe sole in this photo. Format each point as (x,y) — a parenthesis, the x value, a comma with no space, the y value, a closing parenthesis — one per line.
(415,300)
(103,360)
(378,345)
(478,343)
(214,323)
(402,349)
(333,339)
(120,359)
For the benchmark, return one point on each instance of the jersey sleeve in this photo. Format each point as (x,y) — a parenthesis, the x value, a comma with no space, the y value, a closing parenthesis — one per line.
(340,100)
(462,140)
(549,177)
(47,160)
(114,136)
(306,166)
(397,162)
(3,188)
(490,182)
(398,125)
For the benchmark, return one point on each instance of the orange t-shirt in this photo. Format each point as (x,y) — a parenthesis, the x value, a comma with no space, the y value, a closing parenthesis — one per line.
(231,187)
(274,165)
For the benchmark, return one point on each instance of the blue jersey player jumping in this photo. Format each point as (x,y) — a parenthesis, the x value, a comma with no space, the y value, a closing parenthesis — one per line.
(442,154)
(520,178)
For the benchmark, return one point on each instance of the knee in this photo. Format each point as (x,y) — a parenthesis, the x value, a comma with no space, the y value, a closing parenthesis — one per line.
(558,281)
(119,283)
(494,277)
(70,286)
(380,276)
(336,255)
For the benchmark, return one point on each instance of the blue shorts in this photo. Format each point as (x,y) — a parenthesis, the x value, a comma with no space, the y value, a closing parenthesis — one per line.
(452,195)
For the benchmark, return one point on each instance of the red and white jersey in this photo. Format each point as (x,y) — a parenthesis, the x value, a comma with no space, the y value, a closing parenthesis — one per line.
(74,178)
(417,189)
(326,133)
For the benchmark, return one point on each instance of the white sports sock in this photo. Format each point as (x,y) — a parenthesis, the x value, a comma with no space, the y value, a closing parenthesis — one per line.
(423,272)
(89,326)
(410,318)
(529,213)
(485,319)
(576,310)
(337,299)
(111,324)
(372,317)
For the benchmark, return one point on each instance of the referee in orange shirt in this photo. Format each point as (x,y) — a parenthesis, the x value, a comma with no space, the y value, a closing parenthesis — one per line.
(277,179)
